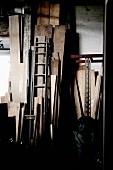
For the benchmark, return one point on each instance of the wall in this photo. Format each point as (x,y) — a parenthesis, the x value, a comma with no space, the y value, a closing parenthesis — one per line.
(89,25)
(4,73)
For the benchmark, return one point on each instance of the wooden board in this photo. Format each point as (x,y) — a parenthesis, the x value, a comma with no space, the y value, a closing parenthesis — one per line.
(4,99)
(43,30)
(38,101)
(54,66)
(59,42)
(22,91)
(96,95)
(55,96)
(26,48)
(54,14)
(14,55)
(43,13)
(53,86)
(14,110)
(21,120)
(81,83)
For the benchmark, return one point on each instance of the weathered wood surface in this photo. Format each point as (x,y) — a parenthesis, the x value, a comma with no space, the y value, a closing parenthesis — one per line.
(14,55)
(81,83)
(43,30)
(14,110)
(22,87)
(43,13)
(59,42)
(96,95)
(26,48)
(54,14)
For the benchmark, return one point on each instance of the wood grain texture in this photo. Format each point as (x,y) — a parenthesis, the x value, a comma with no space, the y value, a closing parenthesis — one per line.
(59,42)
(14,110)
(43,30)
(81,83)
(43,13)
(14,55)
(96,95)
(54,14)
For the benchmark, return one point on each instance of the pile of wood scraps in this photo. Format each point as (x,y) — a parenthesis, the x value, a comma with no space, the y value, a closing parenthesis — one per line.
(34,111)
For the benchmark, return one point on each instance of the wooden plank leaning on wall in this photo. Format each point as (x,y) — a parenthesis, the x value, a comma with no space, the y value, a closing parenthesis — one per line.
(54,14)
(13,107)
(96,83)
(43,13)
(81,82)
(59,43)
(38,111)
(48,13)
(14,55)
(17,70)
(55,90)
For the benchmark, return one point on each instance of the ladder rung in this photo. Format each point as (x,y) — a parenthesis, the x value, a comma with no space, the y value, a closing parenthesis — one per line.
(30,117)
(41,43)
(39,63)
(41,53)
(40,46)
(39,74)
(39,86)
